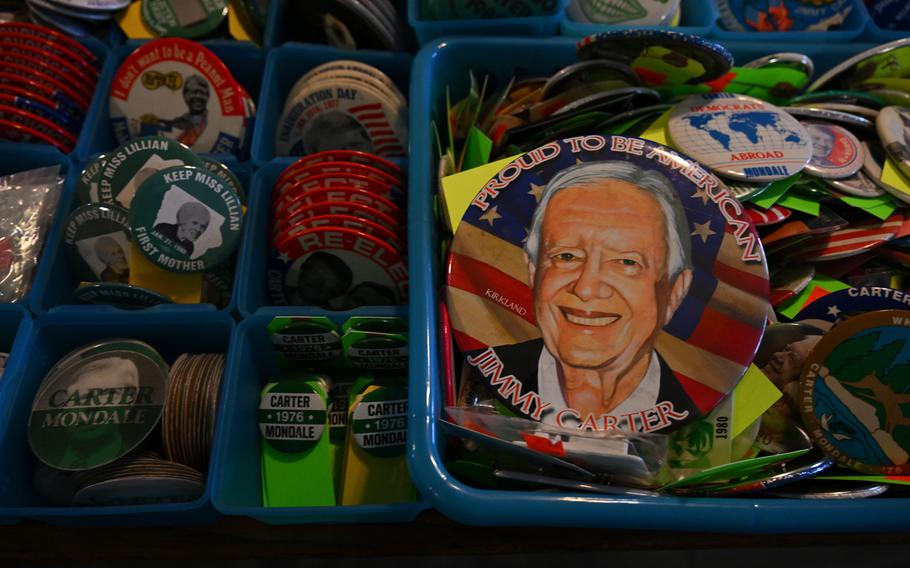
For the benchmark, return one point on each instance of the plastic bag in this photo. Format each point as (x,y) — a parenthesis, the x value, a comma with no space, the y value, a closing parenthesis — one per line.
(28,201)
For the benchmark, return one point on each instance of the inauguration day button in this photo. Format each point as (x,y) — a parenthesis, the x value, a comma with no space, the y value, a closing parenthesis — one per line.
(127,167)
(555,278)
(186,219)
(97,241)
(292,416)
(740,137)
(853,393)
(97,410)
(178,89)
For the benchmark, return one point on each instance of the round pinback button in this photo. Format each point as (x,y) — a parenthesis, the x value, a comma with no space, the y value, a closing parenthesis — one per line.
(352,156)
(379,423)
(335,269)
(15,132)
(176,18)
(857,185)
(526,298)
(783,15)
(52,113)
(874,157)
(292,415)
(815,489)
(127,167)
(622,12)
(744,191)
(886,59)
(854,98)
(290,177)
(836,153)
(843,304)
(343,116)
(852,393)
(178,89)
(893,126)
(789,282)
(345,222)
(790,60)
(740,137)
(50,36)
(126,296)
(846,119)
(225,173)
(854,239)
(186,219)
(346,24)
(87,184)
(96,238)
(344,195)
(337,208)
(587,73)
(64,140)
(72,428)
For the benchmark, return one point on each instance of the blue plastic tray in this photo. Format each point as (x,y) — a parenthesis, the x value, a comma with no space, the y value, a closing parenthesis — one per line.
(288,63)
(251,293)
(15,325)
(56,281)
(535,26)
(446,64)
(236,470)
(55,335)
(877,34)
(697,18)
(244,60)
(18,157)
(850,30)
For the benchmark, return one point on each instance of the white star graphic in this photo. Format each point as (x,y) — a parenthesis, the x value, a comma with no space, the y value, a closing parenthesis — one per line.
(703,230)
(700,193)
(491,215)
(284,257)
(536,190)
(834,311)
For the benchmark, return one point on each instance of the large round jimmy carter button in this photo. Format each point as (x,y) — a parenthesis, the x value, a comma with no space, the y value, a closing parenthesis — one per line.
(170,18)
(337,269)
(836,153)
(853,393)
(186,219)
(97,240)
(179,89)
(91,413)
(127,167)
(740,136)
(554,279)
(672,57)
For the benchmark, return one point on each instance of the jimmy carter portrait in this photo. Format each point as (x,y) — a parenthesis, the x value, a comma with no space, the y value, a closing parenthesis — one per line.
(609,263)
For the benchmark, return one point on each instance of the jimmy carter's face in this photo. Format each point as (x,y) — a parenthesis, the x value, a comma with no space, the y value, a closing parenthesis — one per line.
(601,293)
(822,142)
(196,96)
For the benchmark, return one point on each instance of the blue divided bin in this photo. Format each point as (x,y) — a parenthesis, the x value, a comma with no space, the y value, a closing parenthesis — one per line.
(850,30)
(877,34)
(15,325)
(697,18)
(533,26)
(19,157)
(237,460)
(446,65)
(55,335)
(57,281)
(251,291)
(243,59)
(288,63)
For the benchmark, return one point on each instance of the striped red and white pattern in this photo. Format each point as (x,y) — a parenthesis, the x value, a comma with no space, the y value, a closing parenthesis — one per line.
(853,240)
(763,217)
(373,117)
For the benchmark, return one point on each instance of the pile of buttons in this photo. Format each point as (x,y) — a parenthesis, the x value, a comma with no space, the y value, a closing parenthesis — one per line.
(343,105)
(181,90)
(46,85)
(346,24)
(148,211)
(338,238)
(666,240)
(94,414)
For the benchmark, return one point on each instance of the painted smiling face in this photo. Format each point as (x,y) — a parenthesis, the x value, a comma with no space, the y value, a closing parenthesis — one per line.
(601,286)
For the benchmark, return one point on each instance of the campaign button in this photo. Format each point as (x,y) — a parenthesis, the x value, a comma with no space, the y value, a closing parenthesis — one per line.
(96,238)
(836,153)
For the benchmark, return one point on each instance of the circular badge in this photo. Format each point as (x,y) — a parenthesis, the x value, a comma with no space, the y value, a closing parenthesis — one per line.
(26,73)
(622,12)
(54,114)
(855,239)
(783,15)
(384,180)
(864,112)
(10,81)
(79,82)
(789,282)
(288,193)
(843,304)
(587,73)
(15,132)
(339,208)
(345,116)
(292,416)
(830,489)
(797,61)
(178,89)
(351,156)
(828,115)
(127,167)
(660,56)
(62,138)
(803,467)
(852,393)
(873,161)
(380,422)
(335,268)
(836,153)
(96,411)
(9,38)
(858,185)
(125,296)
(176,18)
(852,98)
(345,222)
(341,194)
(346,24)
(49,36)
(306,340)
(97,240)
(893,125)
(225,173)
(186,219)
(740,137)
(552,274)
(140,490)
(881,60)
(744,191)
(66,68)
